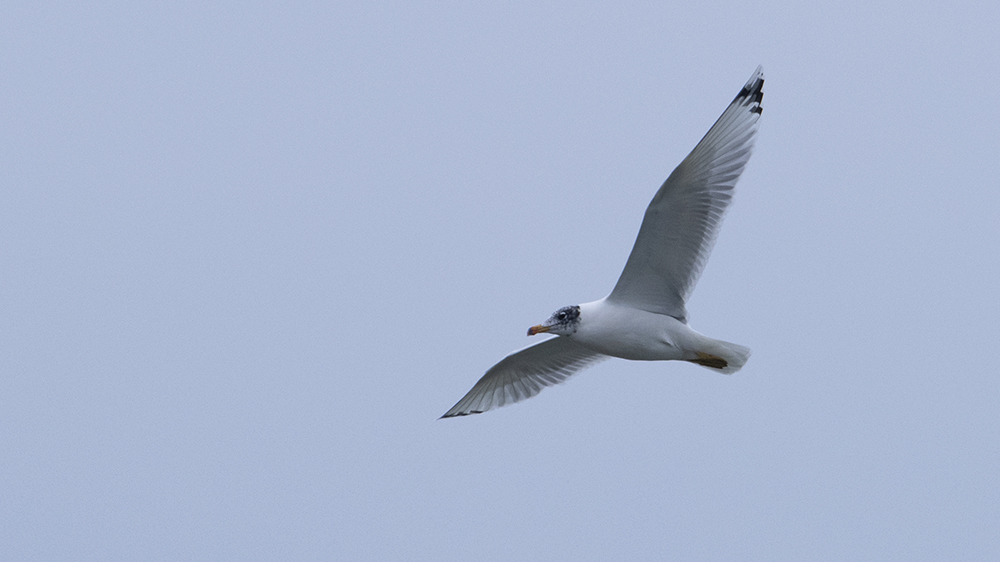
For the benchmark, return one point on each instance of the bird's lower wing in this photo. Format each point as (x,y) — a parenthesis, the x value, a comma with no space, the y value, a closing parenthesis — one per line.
(683,219)
(525,373)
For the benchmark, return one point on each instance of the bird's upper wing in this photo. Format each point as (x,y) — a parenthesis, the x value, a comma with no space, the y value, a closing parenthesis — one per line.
(525,373)
(682,221)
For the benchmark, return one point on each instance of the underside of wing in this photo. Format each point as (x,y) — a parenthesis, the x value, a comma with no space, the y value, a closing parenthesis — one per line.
(683,219)
(525,373)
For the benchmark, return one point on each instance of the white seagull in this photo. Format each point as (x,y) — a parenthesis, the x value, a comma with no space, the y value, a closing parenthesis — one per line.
(644,318)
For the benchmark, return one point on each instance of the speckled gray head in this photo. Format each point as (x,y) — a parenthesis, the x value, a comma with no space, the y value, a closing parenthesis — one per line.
(563,322)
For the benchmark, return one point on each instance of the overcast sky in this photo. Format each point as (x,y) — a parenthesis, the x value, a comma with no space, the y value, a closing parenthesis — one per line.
(249,253)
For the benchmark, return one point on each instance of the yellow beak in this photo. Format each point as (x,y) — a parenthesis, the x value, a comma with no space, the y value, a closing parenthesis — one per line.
(539,329)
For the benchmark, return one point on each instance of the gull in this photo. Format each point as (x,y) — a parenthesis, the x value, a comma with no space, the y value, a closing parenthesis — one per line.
(644,318)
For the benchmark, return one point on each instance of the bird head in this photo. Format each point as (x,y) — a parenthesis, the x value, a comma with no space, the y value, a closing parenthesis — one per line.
(563,322)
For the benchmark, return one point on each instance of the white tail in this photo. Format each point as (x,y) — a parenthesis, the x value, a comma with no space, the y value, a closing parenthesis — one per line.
(722,356)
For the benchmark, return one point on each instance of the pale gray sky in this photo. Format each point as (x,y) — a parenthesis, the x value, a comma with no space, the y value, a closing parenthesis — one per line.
(249,253)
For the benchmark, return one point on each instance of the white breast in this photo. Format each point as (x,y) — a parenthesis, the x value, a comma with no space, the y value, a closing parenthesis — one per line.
(630,333)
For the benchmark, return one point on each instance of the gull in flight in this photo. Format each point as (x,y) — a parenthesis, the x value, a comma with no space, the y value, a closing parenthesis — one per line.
(644,317)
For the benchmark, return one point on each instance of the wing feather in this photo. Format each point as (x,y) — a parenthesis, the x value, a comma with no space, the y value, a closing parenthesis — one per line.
(525,373)
(682,221)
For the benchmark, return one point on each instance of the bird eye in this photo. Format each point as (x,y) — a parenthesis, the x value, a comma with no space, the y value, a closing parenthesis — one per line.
(561,316)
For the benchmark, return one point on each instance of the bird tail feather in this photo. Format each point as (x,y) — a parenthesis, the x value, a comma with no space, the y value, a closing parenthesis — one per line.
(722,356)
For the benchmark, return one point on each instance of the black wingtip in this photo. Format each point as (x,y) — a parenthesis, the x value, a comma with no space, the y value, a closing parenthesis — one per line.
(752,93)
(460,414)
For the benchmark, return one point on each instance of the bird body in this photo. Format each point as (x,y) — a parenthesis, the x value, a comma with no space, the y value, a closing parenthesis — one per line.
(629,333)
(644,318)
